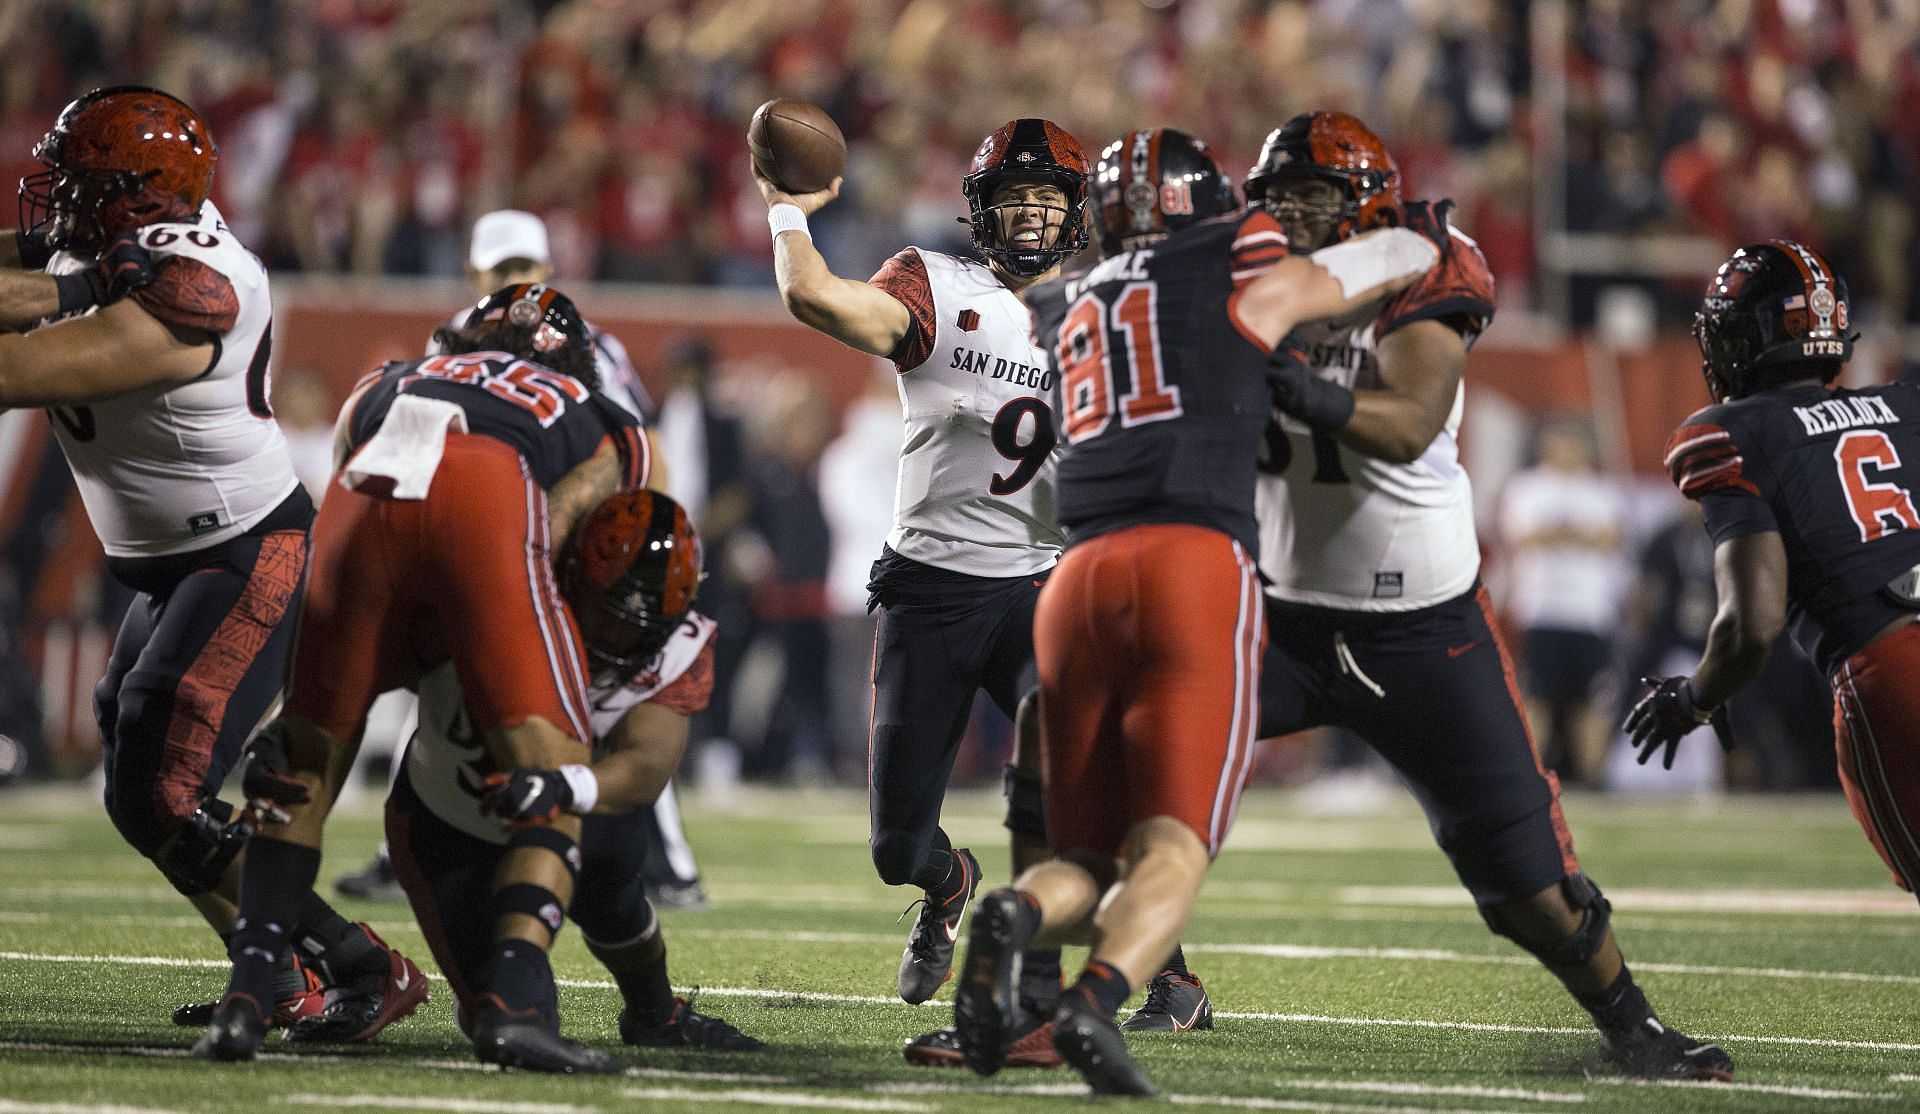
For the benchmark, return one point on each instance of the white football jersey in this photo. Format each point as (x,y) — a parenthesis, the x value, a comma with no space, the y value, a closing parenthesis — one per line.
(975,490)
(173,468)
(447,762)
(1344,530)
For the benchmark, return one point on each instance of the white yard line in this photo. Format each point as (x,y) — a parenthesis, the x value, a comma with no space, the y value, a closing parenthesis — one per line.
(12,1106)
(876,999)
(1871,903)
(1240,1103)
(1749,1088)
(1435,955)
(768,1098)
(1383,1087)
(453,1105)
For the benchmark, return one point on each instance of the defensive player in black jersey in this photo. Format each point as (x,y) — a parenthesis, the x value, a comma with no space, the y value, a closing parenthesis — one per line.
(1148,635)
(1147,185)
(436,545)
(1807,492)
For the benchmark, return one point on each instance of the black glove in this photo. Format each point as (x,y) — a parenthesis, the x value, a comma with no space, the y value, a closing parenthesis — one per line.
(32,247)
(526,796)
(124,267)
(265,776)
(1668,713)
(1320,403)
(1429,219)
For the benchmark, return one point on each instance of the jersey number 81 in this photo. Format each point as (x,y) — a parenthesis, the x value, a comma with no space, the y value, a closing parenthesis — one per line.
(1092,378)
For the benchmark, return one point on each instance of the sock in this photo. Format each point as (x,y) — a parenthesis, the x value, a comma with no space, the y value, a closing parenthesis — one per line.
(519,976)
(1040,981)
(639,969)
(941,876)
(1177,963)
(275,875)
(1623,1005)
(1104,986)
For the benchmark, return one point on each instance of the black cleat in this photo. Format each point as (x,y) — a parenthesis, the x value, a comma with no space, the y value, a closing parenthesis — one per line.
(238,1029)
(1651,1049)
(987,1004)
(374,882)
(1175,1003)
(358,1011)
(298,995)
(527,1043)
(1095,1048)
(686,1028)
(928,959)
(1033,1048)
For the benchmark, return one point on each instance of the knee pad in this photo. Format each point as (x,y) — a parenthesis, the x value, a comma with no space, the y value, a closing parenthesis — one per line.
(562,845)
(897,855)
(624,919)
(1026,803)
(1569,951)
(196,856)
(533,899)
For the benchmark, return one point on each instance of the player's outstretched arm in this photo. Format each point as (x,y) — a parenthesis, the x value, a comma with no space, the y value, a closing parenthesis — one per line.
(591,482)
(854,313)
(86,359)
(1331,282)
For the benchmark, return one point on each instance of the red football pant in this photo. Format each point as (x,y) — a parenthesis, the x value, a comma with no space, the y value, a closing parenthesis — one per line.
(397,586)
(1148,642)
(1876,723)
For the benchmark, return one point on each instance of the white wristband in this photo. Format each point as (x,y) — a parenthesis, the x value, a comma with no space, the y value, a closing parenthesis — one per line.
(787,217)
(586,788)
(1364,263)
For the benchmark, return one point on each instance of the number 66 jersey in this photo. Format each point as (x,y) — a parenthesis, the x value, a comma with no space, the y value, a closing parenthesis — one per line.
(1833,472)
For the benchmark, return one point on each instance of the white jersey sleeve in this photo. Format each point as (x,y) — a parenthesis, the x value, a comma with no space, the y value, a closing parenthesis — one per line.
(447,762)
(173,468)
(975,490)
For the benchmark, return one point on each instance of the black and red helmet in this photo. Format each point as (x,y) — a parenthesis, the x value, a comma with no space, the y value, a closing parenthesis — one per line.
(631,574)
(1027,150)
(117,159)
(1154,182)
(1336,148)
(1773,309)
(535,322)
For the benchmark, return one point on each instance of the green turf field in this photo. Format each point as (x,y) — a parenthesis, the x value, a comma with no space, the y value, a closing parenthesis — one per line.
(1347,969)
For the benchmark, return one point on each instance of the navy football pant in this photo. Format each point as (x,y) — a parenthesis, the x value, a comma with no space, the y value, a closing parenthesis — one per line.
(937,644)
(1433,692)
(200,658)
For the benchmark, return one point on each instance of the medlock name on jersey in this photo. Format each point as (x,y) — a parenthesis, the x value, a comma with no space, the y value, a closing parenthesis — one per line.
(975,491)
(149,463)
(447,760)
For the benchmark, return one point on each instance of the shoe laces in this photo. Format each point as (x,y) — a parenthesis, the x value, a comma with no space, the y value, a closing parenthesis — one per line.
(924,938)
(1160,993)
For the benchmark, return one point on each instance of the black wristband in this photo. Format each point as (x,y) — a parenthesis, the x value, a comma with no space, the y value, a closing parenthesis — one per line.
(1323,404)
(80,291)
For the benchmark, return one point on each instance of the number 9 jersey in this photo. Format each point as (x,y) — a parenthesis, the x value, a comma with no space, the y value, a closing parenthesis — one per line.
(172,468)
(1833,472)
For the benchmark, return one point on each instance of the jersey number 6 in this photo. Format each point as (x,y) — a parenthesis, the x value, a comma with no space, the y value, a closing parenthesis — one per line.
(1878,509)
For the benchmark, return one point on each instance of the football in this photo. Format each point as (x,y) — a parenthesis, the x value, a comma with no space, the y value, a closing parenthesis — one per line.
(797,145)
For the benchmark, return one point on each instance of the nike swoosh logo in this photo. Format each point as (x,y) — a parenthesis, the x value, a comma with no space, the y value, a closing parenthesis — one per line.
(1456,651)
(404,981)
(953,929)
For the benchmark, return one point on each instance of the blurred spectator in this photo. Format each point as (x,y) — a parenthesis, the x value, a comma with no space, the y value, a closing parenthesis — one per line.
(857,475)
(1562,527)
(1668,613)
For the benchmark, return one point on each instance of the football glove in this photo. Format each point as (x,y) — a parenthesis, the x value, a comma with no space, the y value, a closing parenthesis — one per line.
(1320,403)
(1429,219)
(1668,714)
(526,796)
(124,267)
(32,247)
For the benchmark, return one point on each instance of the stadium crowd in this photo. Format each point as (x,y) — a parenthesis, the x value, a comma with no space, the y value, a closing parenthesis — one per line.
(364,135)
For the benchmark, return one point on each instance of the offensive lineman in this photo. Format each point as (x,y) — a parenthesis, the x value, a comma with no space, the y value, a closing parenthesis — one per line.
(147,328)
(1148,636)
(435,546)
(630,576)
(1808,494)
(974,532)
(1379,621)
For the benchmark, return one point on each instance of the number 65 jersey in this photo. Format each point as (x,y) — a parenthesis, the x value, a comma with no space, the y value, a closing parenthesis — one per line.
(1833,472)
(176,467)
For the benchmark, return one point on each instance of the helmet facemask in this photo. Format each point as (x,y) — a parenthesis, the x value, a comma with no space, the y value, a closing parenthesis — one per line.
(1022,234)
(72,205)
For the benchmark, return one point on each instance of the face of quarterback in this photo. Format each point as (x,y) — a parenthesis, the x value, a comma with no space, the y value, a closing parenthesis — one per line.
(1308,210)
(1030,214)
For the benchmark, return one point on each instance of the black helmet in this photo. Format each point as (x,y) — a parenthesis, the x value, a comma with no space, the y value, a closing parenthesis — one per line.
(1029,149)
(1150,183)
(535,322)
(1772,305)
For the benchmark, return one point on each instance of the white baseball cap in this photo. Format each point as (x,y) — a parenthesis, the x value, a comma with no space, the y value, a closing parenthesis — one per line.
(507,234)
